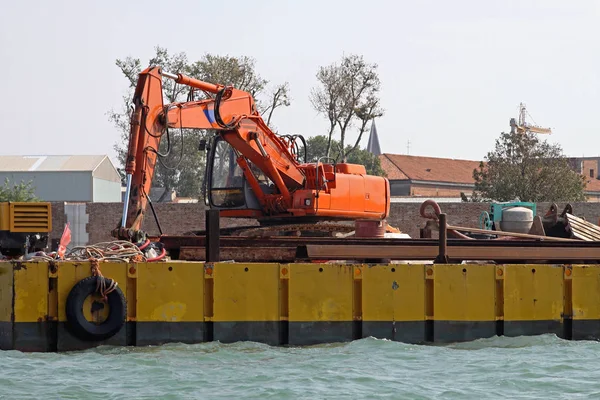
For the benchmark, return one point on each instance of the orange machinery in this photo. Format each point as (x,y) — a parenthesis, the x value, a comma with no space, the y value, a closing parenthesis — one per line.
(251,172)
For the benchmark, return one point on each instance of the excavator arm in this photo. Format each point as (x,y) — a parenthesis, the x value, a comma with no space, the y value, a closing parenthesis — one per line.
(232,112)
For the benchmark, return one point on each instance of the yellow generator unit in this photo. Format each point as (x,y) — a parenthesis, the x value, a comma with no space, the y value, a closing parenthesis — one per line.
(24,227)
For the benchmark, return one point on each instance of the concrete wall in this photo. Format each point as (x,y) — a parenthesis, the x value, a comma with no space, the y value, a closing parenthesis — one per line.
(433,189)
(106,191)
(77,217)
(436,190)
(55,186)
(181,218)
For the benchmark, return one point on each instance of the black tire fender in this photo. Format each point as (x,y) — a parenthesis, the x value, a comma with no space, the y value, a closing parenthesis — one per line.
(89,331)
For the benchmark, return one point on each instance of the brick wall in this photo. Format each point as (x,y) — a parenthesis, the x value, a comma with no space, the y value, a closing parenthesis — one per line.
(181,218)
(174,218)
(406,217)
(588,166)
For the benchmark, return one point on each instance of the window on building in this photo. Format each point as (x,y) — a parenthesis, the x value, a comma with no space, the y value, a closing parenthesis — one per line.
(592,173)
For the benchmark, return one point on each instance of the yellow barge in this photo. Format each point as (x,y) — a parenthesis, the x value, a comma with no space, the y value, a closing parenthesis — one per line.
(290,304)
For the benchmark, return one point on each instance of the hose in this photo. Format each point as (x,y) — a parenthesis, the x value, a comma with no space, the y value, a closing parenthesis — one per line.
(293,145)
(159,257)
(217,111)
(144,245)
(305,147)
(161,156)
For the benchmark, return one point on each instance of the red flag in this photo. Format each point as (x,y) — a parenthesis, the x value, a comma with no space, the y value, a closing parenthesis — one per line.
(64,241)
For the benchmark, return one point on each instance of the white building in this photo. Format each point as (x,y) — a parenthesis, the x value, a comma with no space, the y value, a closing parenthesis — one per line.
(83,178)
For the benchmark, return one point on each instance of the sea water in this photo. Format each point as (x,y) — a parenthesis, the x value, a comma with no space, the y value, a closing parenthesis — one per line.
(536,367)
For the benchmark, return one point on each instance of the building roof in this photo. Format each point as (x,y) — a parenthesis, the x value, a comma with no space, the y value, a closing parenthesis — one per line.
(416,168)
(373,144)
(430,169)
(50,163)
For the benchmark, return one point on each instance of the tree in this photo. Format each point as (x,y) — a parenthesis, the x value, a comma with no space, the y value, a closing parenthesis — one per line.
(316,147)
(348,95)
(183,168)
(23,191)
(526,168)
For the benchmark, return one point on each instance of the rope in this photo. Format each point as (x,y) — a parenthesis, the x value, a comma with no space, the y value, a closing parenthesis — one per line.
(119,250)
(42,257)
(101,285)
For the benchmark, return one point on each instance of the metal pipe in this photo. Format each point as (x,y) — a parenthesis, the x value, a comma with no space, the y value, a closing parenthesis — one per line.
(126,201)
(170,75)
(260,146)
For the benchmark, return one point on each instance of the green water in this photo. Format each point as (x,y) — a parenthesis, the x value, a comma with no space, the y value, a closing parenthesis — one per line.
(496,368)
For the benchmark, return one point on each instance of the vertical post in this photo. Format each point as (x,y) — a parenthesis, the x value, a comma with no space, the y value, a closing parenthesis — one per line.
(212,236)
(442,257)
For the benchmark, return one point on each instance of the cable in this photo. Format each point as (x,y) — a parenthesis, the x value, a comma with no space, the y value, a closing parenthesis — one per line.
(174,93)
(153,213)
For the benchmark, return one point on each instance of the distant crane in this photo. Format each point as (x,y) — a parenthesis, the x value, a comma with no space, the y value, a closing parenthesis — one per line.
(522,126)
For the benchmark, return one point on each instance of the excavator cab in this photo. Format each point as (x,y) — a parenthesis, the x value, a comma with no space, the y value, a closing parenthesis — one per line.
(227,187)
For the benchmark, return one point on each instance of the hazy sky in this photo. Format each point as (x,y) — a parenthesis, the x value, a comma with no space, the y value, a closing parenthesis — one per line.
(453,72)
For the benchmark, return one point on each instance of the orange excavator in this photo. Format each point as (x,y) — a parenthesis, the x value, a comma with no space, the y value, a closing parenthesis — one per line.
(251,172)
